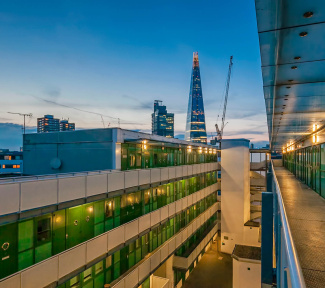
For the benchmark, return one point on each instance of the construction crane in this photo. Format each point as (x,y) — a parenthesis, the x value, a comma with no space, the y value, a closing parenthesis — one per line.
(24,115)
(220,131)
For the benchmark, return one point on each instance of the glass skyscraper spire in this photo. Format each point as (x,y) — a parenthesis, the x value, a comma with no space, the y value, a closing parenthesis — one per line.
(195,124)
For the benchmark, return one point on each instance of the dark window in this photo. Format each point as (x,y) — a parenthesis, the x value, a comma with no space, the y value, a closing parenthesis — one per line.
(44,230)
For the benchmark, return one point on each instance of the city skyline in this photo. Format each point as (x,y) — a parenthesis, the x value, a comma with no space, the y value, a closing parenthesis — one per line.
(80,61)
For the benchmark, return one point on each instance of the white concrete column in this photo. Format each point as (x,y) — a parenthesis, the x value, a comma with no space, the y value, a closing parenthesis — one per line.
(235,192)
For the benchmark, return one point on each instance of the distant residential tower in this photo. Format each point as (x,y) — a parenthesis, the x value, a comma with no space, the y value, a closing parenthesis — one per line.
(66,126)
(50,124)
(195,124)
(162,122)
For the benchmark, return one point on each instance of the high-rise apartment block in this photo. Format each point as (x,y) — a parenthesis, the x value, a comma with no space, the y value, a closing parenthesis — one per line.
(162,121)
(66,126)
(50,124)
(195,124)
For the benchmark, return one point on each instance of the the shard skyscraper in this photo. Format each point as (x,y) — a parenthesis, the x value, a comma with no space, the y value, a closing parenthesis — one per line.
(195,124)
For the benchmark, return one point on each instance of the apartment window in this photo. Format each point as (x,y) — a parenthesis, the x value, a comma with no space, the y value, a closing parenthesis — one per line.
(44,230)
(109,209)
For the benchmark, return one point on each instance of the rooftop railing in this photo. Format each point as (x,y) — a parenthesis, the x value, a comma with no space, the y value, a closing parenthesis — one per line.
(289,273)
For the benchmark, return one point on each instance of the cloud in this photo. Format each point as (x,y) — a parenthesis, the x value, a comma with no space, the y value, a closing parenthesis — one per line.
(245,132)
(140,105)
(244,114)
(11,135)
(52,92)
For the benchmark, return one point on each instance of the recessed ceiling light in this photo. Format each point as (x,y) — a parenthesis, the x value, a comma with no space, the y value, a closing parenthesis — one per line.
(290,79)
(285,98)
(288,87)
(297,58)
(293,68)
(303,34)
(308,14)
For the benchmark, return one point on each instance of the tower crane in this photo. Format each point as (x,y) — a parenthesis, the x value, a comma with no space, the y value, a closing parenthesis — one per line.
(220,131)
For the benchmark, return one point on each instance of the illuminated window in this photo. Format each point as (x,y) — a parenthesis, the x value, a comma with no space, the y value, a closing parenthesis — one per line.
(3,166)
(14,166)
(109,208)
(18,166)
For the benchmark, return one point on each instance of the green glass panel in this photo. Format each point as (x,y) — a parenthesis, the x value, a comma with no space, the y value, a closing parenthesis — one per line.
(43,251)
(59,232)
(87,222)
(25,235)
(25,259)
(99,212)
(146,283)
(99,228)
(8,249)
(99,281)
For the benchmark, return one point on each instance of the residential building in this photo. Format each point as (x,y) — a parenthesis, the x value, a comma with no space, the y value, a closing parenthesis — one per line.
(11,162)
(48,124)
(162,121)
(151,198)
(66,126)
(154,205)
(195,123)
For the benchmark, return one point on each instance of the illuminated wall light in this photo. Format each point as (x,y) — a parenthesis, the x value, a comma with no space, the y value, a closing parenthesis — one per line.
(90,209)
(314,138)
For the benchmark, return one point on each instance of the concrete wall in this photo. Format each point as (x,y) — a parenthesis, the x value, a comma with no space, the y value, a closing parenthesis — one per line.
(246,274)
(235,192)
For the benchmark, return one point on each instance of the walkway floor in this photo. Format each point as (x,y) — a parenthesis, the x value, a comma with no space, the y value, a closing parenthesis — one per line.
(306,214)
(211,271)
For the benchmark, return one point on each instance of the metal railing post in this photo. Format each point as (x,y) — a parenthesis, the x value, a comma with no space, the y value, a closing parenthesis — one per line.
(288,270)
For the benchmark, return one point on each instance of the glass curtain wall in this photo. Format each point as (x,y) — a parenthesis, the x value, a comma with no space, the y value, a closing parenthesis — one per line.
(308,165)
(30,241)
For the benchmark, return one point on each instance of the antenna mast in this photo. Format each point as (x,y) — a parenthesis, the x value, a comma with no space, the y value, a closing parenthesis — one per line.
(24,115)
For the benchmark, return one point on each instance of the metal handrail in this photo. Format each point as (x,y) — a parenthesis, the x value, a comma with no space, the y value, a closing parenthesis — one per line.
(296,276)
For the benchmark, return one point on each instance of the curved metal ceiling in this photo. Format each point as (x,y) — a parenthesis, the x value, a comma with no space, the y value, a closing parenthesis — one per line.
(292,45)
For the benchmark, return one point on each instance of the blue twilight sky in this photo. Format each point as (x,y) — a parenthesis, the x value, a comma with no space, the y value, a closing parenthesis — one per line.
(117,57)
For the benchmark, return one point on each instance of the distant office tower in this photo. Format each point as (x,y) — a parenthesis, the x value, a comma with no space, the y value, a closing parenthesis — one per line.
(195,124)
(48,124)
(162,122)
(66,126)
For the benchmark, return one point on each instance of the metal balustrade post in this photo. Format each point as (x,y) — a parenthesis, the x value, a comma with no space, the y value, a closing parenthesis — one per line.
(267,238)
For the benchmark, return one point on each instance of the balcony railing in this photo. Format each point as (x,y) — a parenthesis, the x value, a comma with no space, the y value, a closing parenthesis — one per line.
(289,273)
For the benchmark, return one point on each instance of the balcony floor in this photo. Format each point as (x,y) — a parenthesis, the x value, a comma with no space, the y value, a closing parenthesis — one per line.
(211,272)
(306,214)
